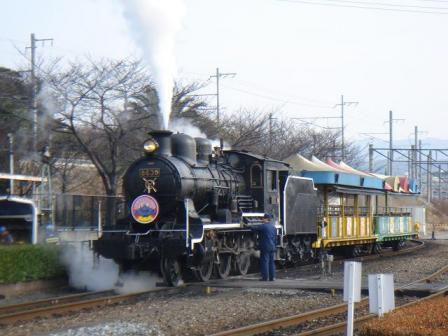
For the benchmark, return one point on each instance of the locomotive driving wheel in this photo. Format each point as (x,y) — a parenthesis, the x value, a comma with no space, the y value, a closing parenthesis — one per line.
(224,265)
(242,263)
(242,259)
(171,271)
(204,270)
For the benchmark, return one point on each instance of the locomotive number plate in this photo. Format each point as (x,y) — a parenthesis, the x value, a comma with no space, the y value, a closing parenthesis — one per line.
(149,172)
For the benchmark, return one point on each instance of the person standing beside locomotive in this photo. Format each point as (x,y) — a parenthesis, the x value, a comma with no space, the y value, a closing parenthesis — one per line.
(267,234)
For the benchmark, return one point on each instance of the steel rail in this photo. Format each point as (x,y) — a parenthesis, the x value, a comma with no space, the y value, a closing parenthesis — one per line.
(420,245)
(283,322)
(326,312)
(70,303)
(7,309)
(61,308)
(341,327)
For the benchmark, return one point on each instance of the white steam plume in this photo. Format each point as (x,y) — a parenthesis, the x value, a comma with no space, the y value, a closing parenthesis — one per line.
(87,272)
(184,125)
(155,24)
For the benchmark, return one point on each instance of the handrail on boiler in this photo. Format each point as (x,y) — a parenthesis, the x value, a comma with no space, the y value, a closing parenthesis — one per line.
(187,224)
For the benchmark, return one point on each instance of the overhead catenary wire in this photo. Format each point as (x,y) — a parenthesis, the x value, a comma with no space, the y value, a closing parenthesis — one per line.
(286,101)
(312,101)
(366,6)
(386,4)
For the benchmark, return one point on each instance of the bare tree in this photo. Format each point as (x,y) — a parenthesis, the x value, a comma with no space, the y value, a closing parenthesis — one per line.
(278,138)
(97,104)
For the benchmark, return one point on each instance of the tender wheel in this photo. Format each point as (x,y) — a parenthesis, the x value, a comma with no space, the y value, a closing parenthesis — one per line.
(204,271)
(224,266)
(376,248)
(357,250)
(398,245)
(242,263)
(353,251)
(171,271)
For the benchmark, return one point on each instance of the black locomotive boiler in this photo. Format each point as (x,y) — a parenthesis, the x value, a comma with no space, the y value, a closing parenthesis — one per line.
(190,209)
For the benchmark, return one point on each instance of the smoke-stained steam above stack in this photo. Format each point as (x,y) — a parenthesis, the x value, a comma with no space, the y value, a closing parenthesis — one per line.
(154,24)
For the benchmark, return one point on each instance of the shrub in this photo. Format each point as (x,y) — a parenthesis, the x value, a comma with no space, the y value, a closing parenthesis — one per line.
(29,262)
(427,318)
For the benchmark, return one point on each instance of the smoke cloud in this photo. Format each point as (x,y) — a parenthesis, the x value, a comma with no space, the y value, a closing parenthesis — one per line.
(87,272)
(154,24)
(184,125)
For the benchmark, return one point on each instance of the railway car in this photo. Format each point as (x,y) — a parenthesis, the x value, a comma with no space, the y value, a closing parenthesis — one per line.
(359,215)
(191,208)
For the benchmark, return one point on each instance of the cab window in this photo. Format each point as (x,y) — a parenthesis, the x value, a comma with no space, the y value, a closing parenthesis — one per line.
(256,176)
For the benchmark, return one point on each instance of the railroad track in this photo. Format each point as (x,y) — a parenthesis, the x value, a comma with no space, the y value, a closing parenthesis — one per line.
(65,304)
(329,313)
(419,245)
(72,303)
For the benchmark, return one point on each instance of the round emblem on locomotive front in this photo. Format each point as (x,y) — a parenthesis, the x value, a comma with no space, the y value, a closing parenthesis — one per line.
(145,209)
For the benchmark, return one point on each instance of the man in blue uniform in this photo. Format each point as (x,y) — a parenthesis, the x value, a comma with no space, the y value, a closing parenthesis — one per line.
(267,234)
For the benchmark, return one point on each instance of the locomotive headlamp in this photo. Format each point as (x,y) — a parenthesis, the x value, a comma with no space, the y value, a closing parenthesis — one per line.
(150,146)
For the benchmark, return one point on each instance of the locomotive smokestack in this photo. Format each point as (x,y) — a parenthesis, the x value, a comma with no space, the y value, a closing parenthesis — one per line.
(163,138)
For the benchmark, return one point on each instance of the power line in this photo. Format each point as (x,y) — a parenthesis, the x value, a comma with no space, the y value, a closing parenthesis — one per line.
(286,101)
(374,3)
(273,91)
(341,5)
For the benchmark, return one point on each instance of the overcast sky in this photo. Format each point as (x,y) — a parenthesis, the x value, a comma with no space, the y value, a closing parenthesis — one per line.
(290,57)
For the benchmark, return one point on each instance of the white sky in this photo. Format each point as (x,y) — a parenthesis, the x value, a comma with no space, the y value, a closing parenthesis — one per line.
(289,56)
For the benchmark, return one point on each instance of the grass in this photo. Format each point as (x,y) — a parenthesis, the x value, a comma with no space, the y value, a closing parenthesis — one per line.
(20,263)
(427,318)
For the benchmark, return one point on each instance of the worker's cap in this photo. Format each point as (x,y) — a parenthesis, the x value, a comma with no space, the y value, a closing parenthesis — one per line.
(2,229)
(267,216)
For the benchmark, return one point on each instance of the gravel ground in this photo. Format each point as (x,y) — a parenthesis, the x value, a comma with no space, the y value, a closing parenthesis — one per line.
(194,312)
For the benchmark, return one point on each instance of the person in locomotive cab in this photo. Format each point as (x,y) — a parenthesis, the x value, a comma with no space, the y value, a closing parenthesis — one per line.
(267,234)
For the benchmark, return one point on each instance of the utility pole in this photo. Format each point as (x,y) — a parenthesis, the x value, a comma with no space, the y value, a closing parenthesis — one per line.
(391,153)
(342,129)
(11,162)
(419,165)
(413,159)
(217,76)
(391,145)
(270,132)
(416,165)
(370,158)
(342,104)
(33,86)
(429,178)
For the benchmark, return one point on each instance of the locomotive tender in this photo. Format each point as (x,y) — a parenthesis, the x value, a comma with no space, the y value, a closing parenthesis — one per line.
(191,208)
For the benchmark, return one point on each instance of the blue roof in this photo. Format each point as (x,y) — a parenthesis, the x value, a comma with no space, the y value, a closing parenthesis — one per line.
(346,179)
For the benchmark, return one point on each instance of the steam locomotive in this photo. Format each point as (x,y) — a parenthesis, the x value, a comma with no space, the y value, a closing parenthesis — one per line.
(191,208)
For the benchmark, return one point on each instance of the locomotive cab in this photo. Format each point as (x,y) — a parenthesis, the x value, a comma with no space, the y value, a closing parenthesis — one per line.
(264,179)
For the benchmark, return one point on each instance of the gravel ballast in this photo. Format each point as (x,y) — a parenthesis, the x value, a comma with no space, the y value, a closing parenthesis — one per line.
(194,311)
